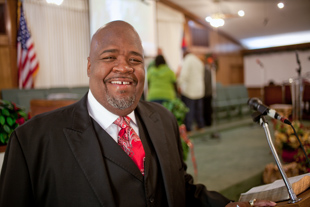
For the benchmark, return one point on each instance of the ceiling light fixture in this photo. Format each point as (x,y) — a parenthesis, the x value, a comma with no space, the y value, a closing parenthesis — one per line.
(218,19)
(215,21)
(241,13)
(280,5)
(57,2)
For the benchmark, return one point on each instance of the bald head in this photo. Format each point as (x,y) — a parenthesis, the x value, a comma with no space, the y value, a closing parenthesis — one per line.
(116,29)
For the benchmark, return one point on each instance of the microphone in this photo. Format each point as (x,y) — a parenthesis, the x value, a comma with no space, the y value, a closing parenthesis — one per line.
(257,105)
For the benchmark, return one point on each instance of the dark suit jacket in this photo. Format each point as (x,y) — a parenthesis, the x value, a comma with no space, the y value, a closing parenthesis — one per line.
(59,159)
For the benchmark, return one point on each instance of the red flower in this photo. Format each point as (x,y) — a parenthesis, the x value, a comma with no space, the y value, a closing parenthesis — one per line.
(29,115)
(210,60)
(20,120)
(15,107)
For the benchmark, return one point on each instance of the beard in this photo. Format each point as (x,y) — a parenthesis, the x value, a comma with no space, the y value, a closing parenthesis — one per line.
(120,103)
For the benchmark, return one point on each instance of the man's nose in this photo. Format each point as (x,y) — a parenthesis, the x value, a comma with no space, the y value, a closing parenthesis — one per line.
(122,67)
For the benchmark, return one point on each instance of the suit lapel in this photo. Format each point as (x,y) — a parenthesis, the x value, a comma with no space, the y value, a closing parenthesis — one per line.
(82,140)
(158,137)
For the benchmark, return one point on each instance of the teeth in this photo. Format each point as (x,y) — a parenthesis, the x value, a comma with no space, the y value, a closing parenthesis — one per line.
(120,82)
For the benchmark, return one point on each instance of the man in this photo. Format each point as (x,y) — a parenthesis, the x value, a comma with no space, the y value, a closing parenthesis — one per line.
(70,157)
(191,83)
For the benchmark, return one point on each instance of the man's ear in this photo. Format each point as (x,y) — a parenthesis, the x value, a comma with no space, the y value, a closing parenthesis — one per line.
(88,66)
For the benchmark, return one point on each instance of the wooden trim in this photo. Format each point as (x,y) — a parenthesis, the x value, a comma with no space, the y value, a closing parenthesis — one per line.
(2,148)
(11,27)
(305,46)
(4,40)
(197,19)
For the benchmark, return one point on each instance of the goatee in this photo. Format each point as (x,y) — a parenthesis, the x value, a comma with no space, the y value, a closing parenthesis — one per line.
(121,103)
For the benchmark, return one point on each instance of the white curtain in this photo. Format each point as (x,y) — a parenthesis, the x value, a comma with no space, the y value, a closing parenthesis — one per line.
(61,36)
(169,33)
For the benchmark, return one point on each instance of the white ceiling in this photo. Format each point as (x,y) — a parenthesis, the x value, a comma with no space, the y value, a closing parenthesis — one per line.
(262,17)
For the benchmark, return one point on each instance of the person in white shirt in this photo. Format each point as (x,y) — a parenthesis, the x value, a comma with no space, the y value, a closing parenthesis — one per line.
(191,84)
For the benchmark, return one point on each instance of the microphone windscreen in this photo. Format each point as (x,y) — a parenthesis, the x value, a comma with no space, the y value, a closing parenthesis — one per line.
(254,103)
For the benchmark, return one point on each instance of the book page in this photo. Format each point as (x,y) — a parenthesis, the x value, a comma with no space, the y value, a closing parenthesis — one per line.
(276,184)
(277,190)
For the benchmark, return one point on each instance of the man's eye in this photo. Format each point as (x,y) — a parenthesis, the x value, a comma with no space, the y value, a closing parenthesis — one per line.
(109,58)
(135,60)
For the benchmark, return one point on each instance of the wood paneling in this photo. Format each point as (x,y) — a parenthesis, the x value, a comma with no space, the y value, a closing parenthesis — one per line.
(8,56)
(4,40)
(255,92)
(5,73)
(2,20)
(39,106)
(230,69)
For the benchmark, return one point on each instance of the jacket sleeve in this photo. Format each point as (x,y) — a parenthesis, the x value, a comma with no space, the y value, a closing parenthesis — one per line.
(15,185)
(197,194)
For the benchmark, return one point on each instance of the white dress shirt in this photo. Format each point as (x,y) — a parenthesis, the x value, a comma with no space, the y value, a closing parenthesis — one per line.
(105,118)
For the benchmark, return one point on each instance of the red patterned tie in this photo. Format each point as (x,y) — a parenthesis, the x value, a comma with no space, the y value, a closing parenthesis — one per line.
(130,142)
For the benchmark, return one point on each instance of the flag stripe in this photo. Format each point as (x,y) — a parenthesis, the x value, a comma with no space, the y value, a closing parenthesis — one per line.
(27,62)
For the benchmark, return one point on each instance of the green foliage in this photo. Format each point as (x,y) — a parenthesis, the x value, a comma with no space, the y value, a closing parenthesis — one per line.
(178,108)
(11,116)
(185,149)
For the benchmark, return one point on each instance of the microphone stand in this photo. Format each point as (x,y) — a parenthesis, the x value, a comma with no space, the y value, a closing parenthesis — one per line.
(259,118)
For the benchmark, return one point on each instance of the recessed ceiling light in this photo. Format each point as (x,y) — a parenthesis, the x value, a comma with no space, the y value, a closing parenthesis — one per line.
(280,5)
(241,13)
(217,22)
(57,2)
(208,19)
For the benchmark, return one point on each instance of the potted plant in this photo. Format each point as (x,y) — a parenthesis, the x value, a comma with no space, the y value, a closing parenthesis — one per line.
(11,117)
(179,110)
(288,145)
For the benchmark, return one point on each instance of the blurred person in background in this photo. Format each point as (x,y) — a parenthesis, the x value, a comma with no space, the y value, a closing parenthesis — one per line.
(152,63)
(192,88)
(161,82)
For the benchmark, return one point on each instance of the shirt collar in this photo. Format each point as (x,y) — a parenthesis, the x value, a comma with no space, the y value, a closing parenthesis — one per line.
(101,115)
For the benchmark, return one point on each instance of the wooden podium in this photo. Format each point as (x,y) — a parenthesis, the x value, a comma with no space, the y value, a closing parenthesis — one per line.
(304,202)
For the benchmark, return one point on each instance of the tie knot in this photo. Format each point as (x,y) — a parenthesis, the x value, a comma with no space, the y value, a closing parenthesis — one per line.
(122,122)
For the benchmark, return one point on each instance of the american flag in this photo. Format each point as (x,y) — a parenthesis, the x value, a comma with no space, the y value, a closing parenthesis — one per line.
(27,62)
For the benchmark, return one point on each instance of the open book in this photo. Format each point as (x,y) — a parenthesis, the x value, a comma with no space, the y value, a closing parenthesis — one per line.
(277,190)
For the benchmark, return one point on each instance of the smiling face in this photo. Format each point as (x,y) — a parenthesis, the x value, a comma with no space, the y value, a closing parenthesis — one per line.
(116,67)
